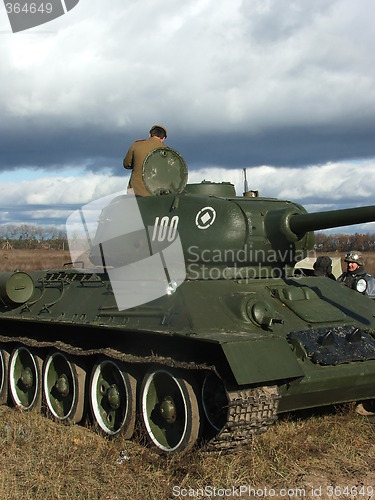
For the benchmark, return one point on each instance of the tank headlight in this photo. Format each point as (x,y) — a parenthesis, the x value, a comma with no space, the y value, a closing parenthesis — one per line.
(261,313)
(361,285)
(15,288)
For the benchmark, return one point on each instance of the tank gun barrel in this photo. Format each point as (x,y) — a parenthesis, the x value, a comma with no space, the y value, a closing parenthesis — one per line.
(302,223)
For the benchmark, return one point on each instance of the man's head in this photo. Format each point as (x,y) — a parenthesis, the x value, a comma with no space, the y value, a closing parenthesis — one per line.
(158,131)
(323,265)
(353,260)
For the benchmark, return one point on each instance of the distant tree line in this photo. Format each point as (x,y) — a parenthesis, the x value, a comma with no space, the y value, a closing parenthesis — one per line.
(28,236)
(345,242)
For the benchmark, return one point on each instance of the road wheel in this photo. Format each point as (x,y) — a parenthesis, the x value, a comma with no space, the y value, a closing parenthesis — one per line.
(25,378)
(169,411)
(113,397)
(64,387)
(4,374)
(214,401)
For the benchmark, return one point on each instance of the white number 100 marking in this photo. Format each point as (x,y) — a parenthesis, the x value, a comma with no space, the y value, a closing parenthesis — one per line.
(166,229)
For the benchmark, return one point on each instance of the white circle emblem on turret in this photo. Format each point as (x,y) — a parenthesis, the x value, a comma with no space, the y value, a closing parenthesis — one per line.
(205,218)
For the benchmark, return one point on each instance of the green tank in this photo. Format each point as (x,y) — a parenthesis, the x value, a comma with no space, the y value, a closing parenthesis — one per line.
(187,315)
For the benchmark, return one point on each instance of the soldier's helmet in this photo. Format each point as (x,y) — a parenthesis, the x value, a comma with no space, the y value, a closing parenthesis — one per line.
(354,256)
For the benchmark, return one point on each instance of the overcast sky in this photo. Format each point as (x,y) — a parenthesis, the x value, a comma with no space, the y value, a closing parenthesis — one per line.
(283,88)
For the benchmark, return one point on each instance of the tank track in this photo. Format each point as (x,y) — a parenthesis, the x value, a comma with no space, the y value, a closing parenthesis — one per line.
(250,411)
(109,352)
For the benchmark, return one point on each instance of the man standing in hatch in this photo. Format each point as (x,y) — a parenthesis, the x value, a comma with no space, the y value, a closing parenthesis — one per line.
(136,155)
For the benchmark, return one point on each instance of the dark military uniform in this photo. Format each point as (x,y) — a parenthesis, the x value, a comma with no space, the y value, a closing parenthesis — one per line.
(134,159)
(350,278)
(358,279)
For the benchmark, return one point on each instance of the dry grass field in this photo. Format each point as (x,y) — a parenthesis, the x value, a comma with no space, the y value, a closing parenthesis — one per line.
(29,260)
(41,459)
(321,454)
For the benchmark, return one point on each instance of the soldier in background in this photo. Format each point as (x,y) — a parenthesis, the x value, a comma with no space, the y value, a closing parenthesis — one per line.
(323,267)
(136,155)
(355,276)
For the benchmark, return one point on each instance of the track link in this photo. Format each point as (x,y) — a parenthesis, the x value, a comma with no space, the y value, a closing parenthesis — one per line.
(250,411)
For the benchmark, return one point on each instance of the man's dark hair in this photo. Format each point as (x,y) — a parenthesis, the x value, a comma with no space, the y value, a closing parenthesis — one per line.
(157,131)
(323,266)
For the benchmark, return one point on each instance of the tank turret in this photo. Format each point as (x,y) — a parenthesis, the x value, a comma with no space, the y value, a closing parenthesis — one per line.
(216,229)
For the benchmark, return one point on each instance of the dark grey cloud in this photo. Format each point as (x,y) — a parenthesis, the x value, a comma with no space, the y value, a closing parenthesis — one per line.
(38,215)
(50,146)
(55,147)
(295,147)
